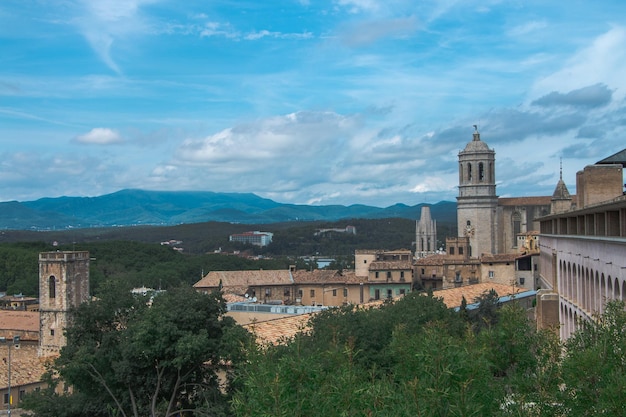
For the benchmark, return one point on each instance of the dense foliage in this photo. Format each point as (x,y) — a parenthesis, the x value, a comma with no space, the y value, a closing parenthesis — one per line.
(413,357)
(143,356)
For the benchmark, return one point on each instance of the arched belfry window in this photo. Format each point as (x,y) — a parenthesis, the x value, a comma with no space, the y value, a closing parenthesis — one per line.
(481,172)
(52,287)
(469,172)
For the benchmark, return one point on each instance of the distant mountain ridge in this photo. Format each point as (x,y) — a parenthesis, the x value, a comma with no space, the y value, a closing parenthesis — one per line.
(139,207)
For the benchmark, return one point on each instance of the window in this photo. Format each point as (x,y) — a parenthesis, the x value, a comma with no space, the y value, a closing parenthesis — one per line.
(364,261)
(21,394)
(312,293)
(388,274)
(389,294)
(423,271)
(52,290)
(6,398)
(481,172)
(469,172)
(345,292)
(377,295)
(401,275)
(299,293)
(51,332)
(492,274)
(402,291)
(521,281)
(376,274)
(457,277)
(451,248)
(460,250)
(334,293)
(286,291)
(268,292)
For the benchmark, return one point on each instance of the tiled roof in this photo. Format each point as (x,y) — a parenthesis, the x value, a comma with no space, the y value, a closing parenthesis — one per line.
(390,265)
(245,279)
(19,320)
(452,297)
(525,201)
(501,257)
(323,276)
(432,260)
(26,366)
(281,329)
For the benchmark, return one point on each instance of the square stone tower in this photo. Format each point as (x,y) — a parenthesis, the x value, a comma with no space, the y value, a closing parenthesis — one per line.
(63,284)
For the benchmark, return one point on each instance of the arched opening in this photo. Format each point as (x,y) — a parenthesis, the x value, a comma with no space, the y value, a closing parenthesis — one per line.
(481,172)
(469,172)
(52,287)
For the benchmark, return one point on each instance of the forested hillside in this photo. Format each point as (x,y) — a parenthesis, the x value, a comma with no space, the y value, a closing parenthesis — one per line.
(135,254)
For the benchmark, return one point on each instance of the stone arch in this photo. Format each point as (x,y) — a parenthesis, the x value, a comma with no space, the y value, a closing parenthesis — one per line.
(609,290)
(616,293)
(52,287)
(481,172)
(602,292)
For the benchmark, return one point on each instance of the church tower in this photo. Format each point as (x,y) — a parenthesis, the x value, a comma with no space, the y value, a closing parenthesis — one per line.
(63,284)
(477,202)
(425,234)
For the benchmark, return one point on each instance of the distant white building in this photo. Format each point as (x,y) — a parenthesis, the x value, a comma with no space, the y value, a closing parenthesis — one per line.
(253,238)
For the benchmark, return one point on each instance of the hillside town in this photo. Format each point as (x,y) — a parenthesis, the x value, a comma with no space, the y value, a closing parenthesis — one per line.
(560,256)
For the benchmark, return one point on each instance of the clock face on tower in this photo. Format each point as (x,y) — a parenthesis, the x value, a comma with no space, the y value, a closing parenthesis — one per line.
(469,231)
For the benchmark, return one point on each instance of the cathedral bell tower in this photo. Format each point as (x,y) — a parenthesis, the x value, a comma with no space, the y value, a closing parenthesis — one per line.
(477,202)
(63,284)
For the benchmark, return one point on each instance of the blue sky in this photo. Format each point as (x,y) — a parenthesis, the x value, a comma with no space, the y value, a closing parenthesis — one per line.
(311,102)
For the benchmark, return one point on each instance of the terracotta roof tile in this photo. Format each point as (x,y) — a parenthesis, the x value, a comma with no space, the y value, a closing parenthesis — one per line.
(279,330)
(431,260)
(390,265)
(19,320)
(452,297)
(501,257)
(244,278)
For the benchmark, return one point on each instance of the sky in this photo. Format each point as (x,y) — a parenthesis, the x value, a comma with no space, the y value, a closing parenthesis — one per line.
(304,101)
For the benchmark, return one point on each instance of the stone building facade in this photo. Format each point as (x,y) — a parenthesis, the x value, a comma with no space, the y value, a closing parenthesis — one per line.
(63,284)
(583,251)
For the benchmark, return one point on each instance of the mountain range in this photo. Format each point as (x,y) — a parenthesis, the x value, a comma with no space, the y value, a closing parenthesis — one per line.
(139,207)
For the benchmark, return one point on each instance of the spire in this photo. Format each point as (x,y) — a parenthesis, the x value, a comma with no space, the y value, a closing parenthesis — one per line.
(561,192)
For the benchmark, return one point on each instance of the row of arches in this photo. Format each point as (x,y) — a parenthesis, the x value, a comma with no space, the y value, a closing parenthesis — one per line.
(587,288)
(585,292)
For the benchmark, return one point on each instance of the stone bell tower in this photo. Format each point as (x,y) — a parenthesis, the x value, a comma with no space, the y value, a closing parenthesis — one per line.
(477,202)
(63,284)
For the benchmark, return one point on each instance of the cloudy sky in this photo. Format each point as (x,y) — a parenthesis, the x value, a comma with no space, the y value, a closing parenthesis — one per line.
(305,101)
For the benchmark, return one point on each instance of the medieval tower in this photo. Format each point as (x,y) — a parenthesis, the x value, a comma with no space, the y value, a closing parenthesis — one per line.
(477,202)
(425,234)
(63,284)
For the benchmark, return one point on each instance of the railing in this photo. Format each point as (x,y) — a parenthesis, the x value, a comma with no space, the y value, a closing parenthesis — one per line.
(281,309)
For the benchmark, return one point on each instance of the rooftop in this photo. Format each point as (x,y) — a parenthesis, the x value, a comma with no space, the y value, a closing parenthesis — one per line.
(452,297)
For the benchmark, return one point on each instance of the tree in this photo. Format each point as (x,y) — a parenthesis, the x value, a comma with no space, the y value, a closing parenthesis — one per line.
(594,367)
(142,356)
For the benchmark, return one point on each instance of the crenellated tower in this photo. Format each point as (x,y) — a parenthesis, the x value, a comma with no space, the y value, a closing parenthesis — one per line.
(63,284)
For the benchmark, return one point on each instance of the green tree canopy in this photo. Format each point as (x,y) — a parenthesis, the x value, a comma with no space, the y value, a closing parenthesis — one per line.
(143,356)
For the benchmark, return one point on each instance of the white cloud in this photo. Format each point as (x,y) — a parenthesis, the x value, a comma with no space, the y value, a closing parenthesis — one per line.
(100,136)
(602,62)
